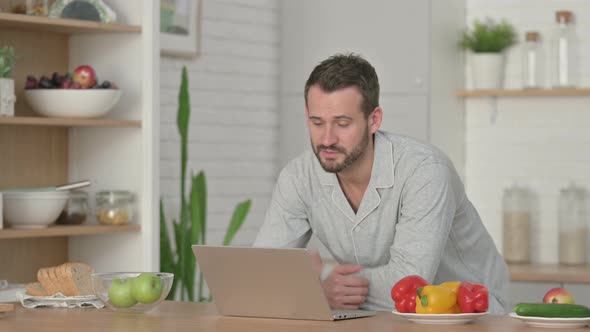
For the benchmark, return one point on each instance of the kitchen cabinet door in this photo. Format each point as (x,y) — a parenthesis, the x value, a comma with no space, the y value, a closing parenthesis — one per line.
(392,35)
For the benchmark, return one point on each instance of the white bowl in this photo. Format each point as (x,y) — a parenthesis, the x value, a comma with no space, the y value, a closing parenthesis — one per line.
(72,103)
(36,209)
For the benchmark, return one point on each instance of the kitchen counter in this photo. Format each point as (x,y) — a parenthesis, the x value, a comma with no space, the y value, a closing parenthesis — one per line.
(190,316)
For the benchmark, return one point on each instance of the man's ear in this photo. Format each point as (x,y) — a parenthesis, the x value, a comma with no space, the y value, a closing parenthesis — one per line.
(375,119)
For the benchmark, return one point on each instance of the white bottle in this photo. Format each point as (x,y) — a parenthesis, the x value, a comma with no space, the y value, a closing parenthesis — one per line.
(564,52)
(532,62)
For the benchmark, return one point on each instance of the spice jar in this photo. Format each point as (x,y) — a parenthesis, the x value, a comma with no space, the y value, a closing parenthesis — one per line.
(572,226)
(114,207)
(516,225)
(76,210)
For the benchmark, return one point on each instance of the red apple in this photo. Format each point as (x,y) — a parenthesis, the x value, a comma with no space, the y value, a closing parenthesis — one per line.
(85,76)
(558,295)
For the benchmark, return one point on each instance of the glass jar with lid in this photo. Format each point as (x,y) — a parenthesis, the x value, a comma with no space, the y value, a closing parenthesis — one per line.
(76,210)
(532,68)
(114,207)
(572,226)
(564,52)
(516,225)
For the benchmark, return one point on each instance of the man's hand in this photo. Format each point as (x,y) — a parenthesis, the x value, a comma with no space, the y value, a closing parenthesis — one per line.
(343,290)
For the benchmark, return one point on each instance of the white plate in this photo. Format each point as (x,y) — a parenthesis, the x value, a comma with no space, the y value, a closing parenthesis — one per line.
(440,318)
(563,323)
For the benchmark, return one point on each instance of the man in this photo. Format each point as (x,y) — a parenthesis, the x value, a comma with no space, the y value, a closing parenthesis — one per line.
(385,206)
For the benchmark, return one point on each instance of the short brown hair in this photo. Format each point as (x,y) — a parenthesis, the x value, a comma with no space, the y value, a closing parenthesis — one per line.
(344,70)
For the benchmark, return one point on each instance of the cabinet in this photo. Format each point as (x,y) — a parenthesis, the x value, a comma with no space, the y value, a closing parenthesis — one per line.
(115,152)
(412,46)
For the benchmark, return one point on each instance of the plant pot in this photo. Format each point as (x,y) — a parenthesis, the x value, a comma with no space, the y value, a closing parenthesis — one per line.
(487,70)
(7,97)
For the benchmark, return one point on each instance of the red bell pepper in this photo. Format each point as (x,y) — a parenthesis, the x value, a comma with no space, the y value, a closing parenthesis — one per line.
(472,297)
(404,293)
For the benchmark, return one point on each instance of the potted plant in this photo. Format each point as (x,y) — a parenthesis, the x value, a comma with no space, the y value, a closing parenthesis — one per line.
(7,97)
(191,227)
(487,42)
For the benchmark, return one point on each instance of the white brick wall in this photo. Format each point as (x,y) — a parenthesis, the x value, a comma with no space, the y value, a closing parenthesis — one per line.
(234,113)
(540,142)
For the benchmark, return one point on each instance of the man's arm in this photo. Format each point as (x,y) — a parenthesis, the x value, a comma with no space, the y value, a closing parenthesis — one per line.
(286,224)
(427,211)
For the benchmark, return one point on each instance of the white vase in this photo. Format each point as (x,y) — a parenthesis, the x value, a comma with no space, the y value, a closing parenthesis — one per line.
(487,70)
(7,97)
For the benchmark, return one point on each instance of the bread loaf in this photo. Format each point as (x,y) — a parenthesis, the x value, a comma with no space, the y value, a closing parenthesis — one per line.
(70,279)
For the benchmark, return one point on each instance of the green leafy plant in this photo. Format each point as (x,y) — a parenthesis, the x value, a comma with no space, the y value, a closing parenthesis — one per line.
(192,228)
(6,61)
(488,37)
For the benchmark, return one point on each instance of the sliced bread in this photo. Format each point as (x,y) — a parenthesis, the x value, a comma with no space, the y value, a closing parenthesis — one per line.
(47,281)
(80,274)
(70,279)
(36,289)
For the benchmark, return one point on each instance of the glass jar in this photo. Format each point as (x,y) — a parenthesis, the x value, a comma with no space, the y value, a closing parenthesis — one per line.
(564,52)
(29,7)
(37,7)
(516,225)
(572,226)
(114,207)
(76,210)
(532,68)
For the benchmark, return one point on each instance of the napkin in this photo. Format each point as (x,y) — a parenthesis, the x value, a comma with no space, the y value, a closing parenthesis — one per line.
(59,301)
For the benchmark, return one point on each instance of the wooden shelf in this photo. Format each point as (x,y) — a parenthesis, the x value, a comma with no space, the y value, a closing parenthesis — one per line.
(550,273)
(63,26)
(66,230)
(524,93)
(67,122)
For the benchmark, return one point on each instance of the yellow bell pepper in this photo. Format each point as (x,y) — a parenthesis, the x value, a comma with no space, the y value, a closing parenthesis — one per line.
(433,299)
(454,286)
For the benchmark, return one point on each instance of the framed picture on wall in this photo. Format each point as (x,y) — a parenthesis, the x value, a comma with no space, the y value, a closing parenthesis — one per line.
(179,27)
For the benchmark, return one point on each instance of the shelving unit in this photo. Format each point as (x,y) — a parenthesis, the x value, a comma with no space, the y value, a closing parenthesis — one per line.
(550,273)
(63,26)
(68,122)
(66,230)
(116,152)
(523,93)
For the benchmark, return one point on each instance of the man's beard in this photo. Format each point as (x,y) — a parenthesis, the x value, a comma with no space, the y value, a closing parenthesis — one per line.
(349,158)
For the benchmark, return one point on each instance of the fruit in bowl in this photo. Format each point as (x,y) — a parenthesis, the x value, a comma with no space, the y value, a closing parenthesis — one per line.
(71,96)
(132,291)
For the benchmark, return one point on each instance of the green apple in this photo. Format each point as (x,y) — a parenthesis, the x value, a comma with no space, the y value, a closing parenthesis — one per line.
(147,288)
(120,293)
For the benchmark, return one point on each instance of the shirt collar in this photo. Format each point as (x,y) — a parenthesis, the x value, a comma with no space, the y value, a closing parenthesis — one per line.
(382,172)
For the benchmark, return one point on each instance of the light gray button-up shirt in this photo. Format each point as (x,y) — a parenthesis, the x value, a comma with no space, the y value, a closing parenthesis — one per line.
(414,218)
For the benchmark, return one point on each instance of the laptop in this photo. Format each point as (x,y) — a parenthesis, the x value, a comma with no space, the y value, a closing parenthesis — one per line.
(266,282)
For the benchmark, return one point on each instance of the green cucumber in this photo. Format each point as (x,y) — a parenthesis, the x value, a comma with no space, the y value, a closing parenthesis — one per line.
(554,310)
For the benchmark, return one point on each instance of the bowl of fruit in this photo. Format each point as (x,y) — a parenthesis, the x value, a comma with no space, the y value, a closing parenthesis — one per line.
(132,291)
(77,95)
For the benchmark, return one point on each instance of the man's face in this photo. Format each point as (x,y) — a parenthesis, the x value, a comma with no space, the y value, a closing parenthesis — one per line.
(338,129)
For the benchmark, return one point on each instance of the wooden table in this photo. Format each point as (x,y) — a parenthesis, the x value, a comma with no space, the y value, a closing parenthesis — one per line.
(188,316)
